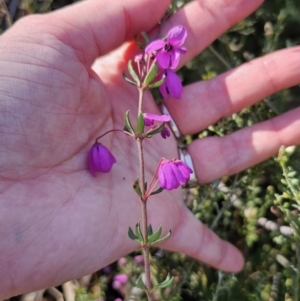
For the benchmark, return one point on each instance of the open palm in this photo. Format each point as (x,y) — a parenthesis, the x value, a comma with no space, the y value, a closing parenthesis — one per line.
(57,221)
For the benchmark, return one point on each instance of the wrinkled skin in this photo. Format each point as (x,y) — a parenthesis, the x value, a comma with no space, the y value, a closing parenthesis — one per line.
(57,221)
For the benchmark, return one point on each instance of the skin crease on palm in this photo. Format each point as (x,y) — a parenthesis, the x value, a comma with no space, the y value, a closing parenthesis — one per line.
(57,221)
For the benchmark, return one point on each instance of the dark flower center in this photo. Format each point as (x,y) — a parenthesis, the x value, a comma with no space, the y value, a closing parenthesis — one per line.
(168,47)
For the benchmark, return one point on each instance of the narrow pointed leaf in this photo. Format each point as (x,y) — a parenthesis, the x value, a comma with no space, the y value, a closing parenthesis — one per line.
(131,235)
(158,83)
(128,125)
(138,232)
(159,190)
(155,236)
(149,230)
(127,79)
(140,124)
(166,283)
(132,283)
(151,75)
(140,283)
(155,131)
(133,73)
(143,41)
(136,187)
(164,238)
(145,36)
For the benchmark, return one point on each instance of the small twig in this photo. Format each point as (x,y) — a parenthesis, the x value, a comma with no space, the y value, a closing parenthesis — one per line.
(8,18)
(68,291)
(12,7)
(219,57)
(55,293)
(272,226)
(275,287)
(33,296)
(232,200)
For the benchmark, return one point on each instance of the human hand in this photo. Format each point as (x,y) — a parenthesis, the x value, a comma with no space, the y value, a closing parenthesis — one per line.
(58,222)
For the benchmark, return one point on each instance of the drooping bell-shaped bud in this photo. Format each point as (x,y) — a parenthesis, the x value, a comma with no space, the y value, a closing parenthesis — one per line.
(100,159)
(173,173)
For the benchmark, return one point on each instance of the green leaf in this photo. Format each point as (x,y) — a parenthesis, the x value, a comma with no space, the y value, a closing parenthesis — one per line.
(166,283)
(159,190)
(132,283)
(136,187)
(133,73)
(139,283)
(145,36)
(164,238)
(155,131)
(128,124)
(138,232)
(140,124)
(151,75)
(127,79)
(158,83)
(131,235)
(155,236)
(149,230)
(143,41)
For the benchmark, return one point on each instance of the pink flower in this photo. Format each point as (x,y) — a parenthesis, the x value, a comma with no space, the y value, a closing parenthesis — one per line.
(100,159)
(173,173)
(168,52)
(119,281)
(122,261)
(139,259)
(150,118)
(171,86)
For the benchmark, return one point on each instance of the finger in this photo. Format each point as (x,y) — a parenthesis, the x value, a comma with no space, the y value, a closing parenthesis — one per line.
(206,102)
(207,20)
(214,157)
(96,27)
(194,239)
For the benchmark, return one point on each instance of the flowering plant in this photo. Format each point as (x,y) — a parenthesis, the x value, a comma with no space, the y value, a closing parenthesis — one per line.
(153,68)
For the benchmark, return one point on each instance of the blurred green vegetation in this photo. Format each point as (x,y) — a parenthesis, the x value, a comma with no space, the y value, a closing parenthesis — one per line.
(258,209)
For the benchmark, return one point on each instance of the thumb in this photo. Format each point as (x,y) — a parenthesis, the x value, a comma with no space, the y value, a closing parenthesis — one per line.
(95,27)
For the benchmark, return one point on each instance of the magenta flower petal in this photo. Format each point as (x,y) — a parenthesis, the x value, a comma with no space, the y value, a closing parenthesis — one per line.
(161,118)
(164,59)
(177,36)
(123,278)
(163,89)
(181,50)
(166,176)
(168,52)
(173,173)
(155,46)
(184,169)
(171,86)
(100,159)
(165,133)
(148,121)
(174,84)
(175,57)
(177,173)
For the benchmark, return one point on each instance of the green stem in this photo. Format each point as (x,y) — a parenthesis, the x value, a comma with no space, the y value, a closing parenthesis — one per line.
(145,247)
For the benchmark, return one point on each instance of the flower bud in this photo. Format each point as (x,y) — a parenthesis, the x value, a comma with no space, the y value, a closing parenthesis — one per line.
(100,159)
